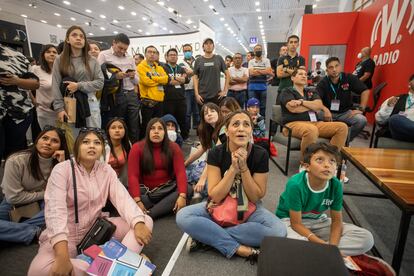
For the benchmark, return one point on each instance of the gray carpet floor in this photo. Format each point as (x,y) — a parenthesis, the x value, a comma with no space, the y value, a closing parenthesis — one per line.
(380,216)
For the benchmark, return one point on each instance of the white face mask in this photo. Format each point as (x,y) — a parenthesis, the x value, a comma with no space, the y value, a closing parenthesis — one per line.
(359,55)
(172,135)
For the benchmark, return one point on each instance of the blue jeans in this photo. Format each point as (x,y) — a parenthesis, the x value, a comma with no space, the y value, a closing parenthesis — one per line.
(22,232)
(240,96)
(261,96)
(196,221)
(356,122)
(192,108)
(401,128)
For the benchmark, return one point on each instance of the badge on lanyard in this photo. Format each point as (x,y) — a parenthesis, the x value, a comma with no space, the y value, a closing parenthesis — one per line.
(160,88)
(312,116)
(335,105)
(178,86)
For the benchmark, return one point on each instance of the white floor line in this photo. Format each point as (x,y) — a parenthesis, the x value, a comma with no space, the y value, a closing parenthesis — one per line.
(175,255)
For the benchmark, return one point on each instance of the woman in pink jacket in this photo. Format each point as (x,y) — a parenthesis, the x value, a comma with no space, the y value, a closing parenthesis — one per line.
(96,182)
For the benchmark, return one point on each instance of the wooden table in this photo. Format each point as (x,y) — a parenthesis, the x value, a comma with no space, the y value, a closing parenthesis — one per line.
(392,171)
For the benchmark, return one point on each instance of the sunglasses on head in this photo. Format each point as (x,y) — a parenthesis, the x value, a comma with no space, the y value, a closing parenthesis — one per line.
(98,131)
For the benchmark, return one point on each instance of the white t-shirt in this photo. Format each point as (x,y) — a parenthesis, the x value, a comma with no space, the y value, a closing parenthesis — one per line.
(44,95)
(238,73)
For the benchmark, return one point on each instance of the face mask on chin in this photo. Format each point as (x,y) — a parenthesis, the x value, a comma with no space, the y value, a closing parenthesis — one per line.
(172,135)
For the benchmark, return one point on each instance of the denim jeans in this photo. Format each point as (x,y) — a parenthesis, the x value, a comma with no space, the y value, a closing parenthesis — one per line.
(196,221)
(192,109)
(240,96)
(22,232)
(401,128)
(356,122)
(261,95)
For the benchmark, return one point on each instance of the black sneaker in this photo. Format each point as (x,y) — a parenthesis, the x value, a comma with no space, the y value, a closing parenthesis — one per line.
(253,258)
(194,245)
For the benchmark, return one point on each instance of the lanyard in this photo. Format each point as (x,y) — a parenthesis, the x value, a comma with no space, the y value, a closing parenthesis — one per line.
(332,86)
(410,103)
(172,69)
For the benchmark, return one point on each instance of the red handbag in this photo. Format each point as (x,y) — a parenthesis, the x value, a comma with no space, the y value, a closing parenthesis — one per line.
(225,213)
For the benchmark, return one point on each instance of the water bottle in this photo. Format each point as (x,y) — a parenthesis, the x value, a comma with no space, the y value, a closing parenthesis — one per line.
(343,172)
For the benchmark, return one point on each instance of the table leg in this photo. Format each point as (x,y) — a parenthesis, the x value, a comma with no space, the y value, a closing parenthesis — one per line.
(401,240)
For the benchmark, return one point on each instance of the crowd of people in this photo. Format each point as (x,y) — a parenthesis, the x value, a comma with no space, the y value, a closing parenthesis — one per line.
(133,115)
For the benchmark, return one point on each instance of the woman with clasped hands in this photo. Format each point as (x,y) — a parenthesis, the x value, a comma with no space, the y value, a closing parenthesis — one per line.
(96,182)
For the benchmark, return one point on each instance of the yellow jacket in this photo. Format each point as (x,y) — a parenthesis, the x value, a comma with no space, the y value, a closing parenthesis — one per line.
(151,87)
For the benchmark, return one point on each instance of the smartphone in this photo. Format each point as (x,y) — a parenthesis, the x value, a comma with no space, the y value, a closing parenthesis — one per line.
(129,70)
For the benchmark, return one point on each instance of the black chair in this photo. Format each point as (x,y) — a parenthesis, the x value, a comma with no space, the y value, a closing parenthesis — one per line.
(282,256)
(382,140)
(275,134)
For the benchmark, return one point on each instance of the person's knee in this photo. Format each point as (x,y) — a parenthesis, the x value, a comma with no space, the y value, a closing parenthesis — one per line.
(367,240)
(394,121)
(311,131)
(182,218)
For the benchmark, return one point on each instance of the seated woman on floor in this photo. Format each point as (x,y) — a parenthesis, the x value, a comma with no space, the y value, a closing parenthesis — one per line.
(156,173)
(241,168)
(24,182)
(117,133)
(95,181)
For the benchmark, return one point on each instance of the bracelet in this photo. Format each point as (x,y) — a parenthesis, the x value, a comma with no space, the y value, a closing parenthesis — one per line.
(310,235)
(183,197)
(138,201)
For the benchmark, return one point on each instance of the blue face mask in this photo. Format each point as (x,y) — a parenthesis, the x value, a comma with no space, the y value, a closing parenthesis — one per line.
(188,55)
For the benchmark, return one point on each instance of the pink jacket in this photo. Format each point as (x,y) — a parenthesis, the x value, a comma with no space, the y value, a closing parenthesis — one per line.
(93,190)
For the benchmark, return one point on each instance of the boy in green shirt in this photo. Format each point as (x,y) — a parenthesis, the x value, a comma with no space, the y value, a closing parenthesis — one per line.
(309,194)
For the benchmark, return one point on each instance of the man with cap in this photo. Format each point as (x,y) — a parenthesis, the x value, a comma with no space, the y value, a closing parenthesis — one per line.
(206,77)
(259,127)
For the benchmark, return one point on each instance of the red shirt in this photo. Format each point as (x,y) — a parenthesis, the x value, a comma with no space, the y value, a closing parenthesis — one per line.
(160,174)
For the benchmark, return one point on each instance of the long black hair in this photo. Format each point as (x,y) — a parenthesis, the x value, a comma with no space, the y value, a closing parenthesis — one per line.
(147,163)
(126,146)
(42,61)
(206,132)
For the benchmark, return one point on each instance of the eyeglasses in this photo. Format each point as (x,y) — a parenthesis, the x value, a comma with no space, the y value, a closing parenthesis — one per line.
(58,130)
(98,131)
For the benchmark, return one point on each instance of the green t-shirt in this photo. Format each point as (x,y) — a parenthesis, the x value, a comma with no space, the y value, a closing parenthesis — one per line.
(298,196)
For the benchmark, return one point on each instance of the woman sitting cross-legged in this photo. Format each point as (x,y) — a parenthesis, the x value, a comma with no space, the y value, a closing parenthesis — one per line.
(96,182)
(235,163)
(24,182)
(156,173)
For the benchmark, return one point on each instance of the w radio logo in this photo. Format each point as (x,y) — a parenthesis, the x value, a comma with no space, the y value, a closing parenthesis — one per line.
(391,23)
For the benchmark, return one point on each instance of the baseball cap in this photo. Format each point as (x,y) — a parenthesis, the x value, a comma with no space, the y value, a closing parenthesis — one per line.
(253,102)
(208,39)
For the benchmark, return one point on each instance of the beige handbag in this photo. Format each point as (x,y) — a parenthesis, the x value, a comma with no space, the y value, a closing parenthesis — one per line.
(25,211)
(70,108)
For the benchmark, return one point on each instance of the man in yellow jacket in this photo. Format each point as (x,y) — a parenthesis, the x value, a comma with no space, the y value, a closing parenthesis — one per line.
(152,78)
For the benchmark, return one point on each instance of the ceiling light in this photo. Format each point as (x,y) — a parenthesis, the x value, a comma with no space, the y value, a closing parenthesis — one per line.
(73,18)
(144,18)
(180,16)
(102,28)
(87,23)
(205,0)
(261,22)
(115,21)
(43,21)
(258,10)
(161,3)
(226,25)
(211,6)
(257,3)
(314,6)
(259,17)
(170,32)
(66,3)
(188,21)
(59,26)
(164,28)
(147,33)
(222,19)
(88,11)
(90,33)
(128,26)
(121,7)
(216,13)
(170,9)
(102,16)
(194,26)
(133,13)
(57,14)
(115,32)
(23,15)
(155,24)
(234,34)
(139,30)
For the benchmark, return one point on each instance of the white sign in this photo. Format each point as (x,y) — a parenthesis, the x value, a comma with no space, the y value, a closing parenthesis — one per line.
(390,27)
(42,33)
(165,42)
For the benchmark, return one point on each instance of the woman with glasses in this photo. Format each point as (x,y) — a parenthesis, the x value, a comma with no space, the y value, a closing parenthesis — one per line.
(96,182)
(156,173)
(24,182)
(44,98)
(117,157)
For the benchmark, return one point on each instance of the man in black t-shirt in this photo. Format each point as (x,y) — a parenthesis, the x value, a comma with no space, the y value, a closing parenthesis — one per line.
(364,70)
(336,90)
(282,52)
(299,112)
